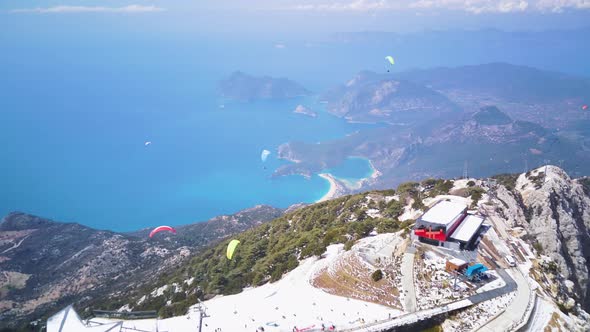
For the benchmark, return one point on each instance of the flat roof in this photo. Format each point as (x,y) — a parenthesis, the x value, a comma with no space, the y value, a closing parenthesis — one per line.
(467,229)
(443,212)
(457,261)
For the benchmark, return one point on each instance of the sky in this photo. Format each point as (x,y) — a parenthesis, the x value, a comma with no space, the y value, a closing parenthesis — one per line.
(293,17)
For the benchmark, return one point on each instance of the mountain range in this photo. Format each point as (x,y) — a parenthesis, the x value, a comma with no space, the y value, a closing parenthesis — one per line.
(441,122)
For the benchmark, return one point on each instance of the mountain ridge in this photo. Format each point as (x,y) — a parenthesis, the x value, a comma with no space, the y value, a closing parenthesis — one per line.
(68,262)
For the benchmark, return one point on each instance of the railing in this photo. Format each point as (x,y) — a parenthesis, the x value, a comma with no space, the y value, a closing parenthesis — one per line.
(125,315)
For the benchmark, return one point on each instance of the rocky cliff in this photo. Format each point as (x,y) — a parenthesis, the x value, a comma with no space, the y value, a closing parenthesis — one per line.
(558,212)
(553,210)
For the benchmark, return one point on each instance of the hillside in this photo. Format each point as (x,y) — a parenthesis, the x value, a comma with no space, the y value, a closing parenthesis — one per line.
(46,265)
(243,87)
(431,123)
(488,141)
(510,82)
(333,245)
(370,97)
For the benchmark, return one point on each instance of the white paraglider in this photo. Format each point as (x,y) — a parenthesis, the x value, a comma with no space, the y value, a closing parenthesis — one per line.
(264,155)
(147,143)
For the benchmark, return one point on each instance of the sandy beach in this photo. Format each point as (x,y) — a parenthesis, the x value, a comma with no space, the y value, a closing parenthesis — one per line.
(339,187)
(335,187)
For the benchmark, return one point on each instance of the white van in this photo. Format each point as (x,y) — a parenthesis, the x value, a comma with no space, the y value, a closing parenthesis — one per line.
(510,260)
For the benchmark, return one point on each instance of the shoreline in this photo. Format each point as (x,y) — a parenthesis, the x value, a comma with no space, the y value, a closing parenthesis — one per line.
(334,190)
(339,187)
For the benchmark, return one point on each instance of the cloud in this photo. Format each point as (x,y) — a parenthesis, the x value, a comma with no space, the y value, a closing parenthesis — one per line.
(90,9)
(357,5)
(469,6)
(558,6)
(474,6)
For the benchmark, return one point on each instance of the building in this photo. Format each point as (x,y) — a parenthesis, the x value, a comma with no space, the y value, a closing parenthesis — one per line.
(438,223)
(475,270)
(455,265)
(467,232)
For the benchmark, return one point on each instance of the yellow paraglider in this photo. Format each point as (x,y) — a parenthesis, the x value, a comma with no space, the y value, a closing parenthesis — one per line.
(390,59)
(231,247)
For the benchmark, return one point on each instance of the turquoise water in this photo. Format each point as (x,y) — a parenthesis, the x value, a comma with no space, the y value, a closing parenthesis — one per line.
(93,167)
(79,96)
(73,127)
(352,170)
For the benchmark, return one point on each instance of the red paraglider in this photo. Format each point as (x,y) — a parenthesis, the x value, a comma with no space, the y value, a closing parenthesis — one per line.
(160,229)
(585,107)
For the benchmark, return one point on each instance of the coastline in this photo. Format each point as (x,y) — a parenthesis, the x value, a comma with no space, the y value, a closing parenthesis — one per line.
(335,187)
(339,187)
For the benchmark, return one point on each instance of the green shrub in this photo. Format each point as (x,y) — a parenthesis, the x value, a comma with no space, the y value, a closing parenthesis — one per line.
(386,225)
(377,275)
(442,187)
(418,205)
(408,188)
(507,180)
(348,245)
(470,184)
(394,209)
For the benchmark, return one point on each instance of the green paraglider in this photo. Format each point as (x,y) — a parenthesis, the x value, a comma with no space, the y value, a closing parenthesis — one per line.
(390,59)
(231,247)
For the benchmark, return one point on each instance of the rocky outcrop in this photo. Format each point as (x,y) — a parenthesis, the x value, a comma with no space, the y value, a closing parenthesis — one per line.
(300,109)
(558,214)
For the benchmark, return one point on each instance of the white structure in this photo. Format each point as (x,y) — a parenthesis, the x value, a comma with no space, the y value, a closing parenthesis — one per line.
(467,229)
(440,221)
(67,320)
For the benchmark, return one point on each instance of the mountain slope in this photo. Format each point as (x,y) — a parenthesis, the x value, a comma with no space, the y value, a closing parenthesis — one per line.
(243,87)
(559,221)
(518,207)
(48,264)
(511,82)
(494,117)
(370,97)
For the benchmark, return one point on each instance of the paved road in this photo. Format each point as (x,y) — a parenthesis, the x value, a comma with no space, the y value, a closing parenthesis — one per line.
(408,281)
(516,309)
(413,317)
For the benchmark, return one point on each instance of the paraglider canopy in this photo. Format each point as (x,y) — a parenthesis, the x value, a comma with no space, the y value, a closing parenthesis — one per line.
(161,229)
(231,247)
(264,155)
(147,143)
(585,107)
(390,59)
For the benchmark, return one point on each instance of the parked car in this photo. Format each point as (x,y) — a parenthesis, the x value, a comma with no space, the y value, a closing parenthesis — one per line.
(510,260)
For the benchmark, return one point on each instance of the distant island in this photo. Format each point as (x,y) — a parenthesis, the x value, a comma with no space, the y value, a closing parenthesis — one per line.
(243,87)
(300,109)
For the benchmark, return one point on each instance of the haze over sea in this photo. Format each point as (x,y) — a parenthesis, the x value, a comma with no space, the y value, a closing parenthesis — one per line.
(77,106)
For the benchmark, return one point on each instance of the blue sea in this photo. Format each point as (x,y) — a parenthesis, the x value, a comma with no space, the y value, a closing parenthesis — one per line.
(81,94)
(74,122)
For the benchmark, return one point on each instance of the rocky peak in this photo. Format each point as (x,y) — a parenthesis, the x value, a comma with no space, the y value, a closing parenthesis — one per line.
(558,214)
(491,115)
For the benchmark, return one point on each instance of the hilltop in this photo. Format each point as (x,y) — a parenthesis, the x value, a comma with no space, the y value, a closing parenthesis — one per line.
(337,246)
(243,87)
